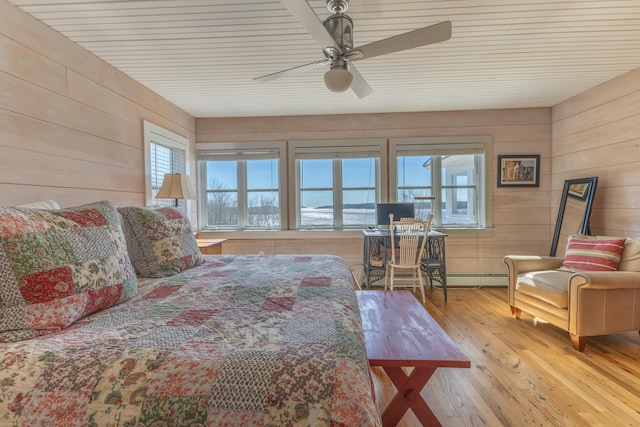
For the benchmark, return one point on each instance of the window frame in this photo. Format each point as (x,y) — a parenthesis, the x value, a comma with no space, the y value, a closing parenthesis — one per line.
(158,135)
(322,149)
(442,145)
(233,151)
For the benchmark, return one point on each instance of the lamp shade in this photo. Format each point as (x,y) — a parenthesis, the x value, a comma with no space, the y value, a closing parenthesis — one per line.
(176,186)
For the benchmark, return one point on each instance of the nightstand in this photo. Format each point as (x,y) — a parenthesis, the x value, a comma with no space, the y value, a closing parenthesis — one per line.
(210,246)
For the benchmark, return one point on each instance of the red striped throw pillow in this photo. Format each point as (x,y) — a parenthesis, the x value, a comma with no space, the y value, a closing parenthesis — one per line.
(593,255)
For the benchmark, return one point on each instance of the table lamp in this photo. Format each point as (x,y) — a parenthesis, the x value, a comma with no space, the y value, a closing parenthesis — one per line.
(176,186)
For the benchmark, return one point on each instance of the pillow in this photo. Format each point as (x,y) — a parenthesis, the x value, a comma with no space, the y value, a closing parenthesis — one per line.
(630,258)
(47,204)
(160,241)
(57,266)
(593,254)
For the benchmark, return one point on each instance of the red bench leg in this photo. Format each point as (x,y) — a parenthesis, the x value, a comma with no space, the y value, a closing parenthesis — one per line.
(408,396)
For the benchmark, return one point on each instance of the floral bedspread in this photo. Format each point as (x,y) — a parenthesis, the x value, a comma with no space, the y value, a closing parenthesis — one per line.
(238,341)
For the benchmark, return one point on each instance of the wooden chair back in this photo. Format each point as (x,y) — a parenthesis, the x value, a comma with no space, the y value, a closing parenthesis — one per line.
(412,238)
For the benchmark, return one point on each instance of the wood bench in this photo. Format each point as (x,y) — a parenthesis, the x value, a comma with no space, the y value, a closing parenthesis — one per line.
(399,332)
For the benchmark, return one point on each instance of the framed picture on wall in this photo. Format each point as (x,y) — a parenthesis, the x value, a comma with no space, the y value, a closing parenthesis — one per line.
(519,170)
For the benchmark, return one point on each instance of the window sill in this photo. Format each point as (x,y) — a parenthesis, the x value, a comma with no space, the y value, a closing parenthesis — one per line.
(325,234)
(466,232)
(280,234)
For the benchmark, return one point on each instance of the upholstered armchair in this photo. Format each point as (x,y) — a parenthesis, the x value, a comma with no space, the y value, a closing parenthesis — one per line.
(585,303)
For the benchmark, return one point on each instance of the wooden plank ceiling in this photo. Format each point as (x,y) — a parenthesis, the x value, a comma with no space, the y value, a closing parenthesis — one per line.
(202,55)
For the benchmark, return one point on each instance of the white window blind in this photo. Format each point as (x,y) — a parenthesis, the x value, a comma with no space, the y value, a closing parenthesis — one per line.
(165,152)
(164,160)
(359,152)
(214,155)
(440,150)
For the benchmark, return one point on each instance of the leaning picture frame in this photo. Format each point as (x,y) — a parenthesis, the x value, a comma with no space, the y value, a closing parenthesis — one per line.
(518,170)
(578,190)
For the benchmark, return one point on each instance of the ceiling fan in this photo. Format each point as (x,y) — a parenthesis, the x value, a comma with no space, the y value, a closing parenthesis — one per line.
(336,34)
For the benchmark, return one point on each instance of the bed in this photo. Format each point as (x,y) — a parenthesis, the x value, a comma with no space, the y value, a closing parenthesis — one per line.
(232,341)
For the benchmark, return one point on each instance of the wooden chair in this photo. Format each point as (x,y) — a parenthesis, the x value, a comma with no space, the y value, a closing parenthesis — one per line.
(411,234)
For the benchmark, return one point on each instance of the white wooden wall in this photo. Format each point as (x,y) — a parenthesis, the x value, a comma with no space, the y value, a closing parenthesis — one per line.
(597,133)
(521,217)
(71,124)
(72,131)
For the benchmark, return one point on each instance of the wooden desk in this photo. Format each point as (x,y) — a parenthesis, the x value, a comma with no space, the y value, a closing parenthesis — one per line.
(399,332)
(210,246)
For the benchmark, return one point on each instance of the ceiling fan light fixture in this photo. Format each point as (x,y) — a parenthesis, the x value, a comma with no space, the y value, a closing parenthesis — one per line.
(338,79)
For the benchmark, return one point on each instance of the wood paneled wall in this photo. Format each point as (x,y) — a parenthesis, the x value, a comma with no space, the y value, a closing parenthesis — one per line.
(72,131)
(521,217)
(597,133)
(71,124)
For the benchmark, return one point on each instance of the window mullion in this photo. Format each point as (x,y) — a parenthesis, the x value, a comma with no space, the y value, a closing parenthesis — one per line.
(436,185)
(337,193)
(479,197)
(243,196)
(298,193)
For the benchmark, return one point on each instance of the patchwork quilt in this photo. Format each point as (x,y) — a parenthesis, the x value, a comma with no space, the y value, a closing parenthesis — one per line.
(237,341)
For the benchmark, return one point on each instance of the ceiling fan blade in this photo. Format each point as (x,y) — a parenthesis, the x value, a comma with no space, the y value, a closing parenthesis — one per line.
(359,85)
(291,71)
(420,37)
(301,10)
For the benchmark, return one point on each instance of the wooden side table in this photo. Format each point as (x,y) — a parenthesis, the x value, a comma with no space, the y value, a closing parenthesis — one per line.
(210,246)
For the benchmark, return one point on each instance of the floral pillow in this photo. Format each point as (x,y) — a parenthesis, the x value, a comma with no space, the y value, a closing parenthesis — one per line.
(160,241)
(57,266)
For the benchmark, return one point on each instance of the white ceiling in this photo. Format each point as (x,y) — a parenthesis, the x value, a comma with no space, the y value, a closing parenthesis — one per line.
(203,54)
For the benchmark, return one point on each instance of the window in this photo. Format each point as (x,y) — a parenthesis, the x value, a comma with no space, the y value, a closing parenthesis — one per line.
(454,170)
(337,186)
(165,152)
(240,189)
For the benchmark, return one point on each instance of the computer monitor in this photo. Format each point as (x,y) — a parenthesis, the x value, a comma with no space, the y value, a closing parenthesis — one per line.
(399,210)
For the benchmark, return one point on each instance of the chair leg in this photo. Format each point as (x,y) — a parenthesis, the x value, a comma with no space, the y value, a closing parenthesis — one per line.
(393,276)
(444,288)
(386,277)
(415,280)
(578,342)
(355,281)
(515,312)
(424,300)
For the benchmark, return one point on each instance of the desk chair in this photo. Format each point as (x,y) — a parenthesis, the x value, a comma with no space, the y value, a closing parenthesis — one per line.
(407,258)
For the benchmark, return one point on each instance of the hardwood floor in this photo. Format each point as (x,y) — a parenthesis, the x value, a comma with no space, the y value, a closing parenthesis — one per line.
(523,374)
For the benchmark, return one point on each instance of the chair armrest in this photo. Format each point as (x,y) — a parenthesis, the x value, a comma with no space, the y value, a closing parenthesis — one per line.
(605,280)
(518,264)
(603,302)
(525,263)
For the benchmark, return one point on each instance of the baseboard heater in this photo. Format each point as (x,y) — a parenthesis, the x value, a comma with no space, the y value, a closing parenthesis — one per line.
(476,279)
